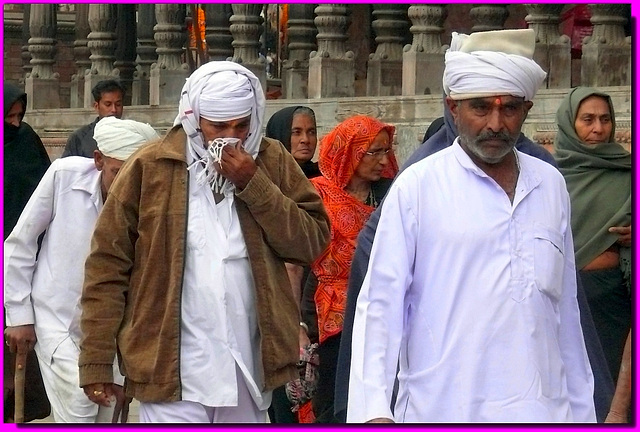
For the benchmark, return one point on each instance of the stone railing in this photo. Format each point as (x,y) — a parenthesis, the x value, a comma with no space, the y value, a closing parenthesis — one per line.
(410,114)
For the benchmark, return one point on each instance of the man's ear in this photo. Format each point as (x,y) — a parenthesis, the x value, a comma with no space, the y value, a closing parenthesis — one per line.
(98,160)
(453,106)
(527,107)
(95,106)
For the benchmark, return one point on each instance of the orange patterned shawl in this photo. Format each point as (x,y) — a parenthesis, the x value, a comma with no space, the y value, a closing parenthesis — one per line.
(340,153)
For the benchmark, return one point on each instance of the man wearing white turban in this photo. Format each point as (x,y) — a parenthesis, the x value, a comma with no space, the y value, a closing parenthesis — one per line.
(42,285)
(187,269)
(470,294)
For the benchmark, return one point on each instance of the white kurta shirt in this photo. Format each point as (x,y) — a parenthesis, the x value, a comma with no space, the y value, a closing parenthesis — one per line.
(475,297)
(47,292)
(219,327)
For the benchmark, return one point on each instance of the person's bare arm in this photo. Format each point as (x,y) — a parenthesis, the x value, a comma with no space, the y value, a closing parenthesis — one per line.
(621,403)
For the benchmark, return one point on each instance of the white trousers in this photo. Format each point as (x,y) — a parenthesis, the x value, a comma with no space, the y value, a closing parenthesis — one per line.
(194,412)
(69,404)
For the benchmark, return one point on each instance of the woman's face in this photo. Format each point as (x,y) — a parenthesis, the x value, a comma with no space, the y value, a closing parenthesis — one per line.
(593,121)
(303,138)
(376,159)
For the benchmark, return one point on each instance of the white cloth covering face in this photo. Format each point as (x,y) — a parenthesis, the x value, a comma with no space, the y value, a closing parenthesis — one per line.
(219,329)
(492,63)
(119,139)
(219,91)
(46,292)
(475,297)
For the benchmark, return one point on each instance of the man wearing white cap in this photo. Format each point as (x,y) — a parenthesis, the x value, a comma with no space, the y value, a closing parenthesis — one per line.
(470,289)
(187,265)
(42,287)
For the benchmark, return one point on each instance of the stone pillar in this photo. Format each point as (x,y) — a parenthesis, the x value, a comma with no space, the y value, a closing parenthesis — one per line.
(81,54)
(423,60)
(42,84)
(331,68)
(488,17)
(217,33)
(606,54)
(301,33)
(146,51)
(246,28)
(553,49)
(102,44)
(126,47)
(24,54)
(384,70)
(168,74)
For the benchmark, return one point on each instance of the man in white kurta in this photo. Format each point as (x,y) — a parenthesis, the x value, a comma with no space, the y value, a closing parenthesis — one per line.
(42,289)
(470,293)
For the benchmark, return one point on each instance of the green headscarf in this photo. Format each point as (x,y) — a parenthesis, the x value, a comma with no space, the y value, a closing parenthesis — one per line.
(598,178)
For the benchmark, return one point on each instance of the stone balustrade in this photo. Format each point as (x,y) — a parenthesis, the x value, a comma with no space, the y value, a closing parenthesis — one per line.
(410,114)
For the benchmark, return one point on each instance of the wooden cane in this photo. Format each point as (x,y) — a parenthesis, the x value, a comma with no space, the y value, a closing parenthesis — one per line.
(19,378)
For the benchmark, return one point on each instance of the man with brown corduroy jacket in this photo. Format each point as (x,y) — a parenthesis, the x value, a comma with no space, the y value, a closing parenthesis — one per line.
(186,270)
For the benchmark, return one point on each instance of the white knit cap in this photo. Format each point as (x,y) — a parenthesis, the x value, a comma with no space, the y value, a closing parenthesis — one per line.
(119,139)
(492,63)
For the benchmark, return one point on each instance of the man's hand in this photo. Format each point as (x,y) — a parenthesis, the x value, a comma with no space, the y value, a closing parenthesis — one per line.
(20,339)
(625,235)
(103,393)
(380,420)
(237,165)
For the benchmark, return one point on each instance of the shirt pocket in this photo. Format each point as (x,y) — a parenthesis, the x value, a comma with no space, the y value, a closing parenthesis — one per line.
(548,260)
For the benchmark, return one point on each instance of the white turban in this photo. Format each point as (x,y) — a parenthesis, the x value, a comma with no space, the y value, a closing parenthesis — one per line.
(220,91)
(491,64)
(119,139)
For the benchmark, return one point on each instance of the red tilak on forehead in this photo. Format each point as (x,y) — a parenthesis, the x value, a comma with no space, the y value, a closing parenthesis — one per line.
(498,101)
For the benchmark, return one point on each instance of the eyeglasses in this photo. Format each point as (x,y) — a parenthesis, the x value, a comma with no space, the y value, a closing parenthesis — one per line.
(378,154)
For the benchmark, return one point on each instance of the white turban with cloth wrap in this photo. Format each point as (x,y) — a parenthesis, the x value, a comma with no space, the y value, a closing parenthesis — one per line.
(219,91)
(492,63)
(119,139)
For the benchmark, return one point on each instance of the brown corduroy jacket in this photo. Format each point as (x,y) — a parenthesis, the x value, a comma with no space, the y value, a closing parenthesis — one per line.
(134,273)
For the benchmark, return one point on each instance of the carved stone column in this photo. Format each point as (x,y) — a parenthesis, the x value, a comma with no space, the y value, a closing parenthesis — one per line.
(126,47)
(81,55)
(168,74)
(147,55)
(423,60)
(301,33)
(331,68)
(553,49)
(102,44)
(246,28)
(217,33)
(606,54)
(24,50)
(384,70)
(42,84)
(488,17)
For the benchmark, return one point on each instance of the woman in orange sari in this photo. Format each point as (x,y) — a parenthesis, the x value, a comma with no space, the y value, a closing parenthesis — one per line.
(357,165)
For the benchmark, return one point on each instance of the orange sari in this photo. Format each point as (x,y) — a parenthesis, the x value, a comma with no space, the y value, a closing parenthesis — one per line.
(340,153)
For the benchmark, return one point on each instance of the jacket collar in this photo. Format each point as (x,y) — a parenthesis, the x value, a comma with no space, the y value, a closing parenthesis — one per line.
(173,146)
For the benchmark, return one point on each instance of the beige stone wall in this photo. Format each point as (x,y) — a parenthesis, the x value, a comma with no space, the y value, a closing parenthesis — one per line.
(410,114)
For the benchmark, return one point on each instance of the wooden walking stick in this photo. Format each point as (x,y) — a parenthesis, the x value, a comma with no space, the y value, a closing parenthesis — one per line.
(19,378)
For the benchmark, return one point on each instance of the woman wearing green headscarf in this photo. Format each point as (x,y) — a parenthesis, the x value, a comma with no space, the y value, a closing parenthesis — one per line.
(598,175)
